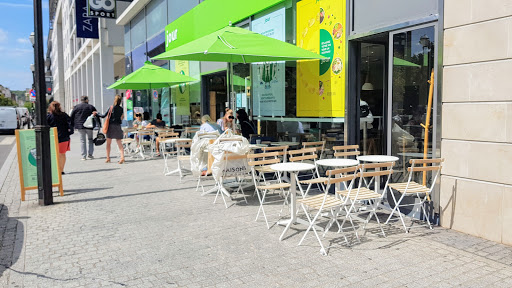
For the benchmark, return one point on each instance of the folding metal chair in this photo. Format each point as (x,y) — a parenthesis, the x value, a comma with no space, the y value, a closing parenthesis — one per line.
(363,200)
(326,202)
(182,145)
(228,172)
(167,138)
(411,187)
(307,155)
(128,142)
(262,186)
(143,142)
(318,145)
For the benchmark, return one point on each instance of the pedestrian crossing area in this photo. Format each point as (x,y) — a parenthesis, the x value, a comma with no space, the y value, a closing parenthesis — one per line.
(8,140)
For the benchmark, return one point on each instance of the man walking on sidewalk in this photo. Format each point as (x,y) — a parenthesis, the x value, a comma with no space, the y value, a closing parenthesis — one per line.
(78,117)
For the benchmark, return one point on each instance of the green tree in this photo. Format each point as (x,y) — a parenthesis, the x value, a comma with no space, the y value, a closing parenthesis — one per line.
(6,101)
(28,105)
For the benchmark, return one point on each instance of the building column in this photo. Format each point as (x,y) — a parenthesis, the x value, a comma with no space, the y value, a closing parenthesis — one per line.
(106,67)
(96,78)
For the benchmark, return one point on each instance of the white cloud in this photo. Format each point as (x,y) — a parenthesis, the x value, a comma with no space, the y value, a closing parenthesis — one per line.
(15,52)
(23,40)
(3,35)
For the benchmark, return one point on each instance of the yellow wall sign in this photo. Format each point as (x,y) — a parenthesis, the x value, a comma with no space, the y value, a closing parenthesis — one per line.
(321,84)
(183,90)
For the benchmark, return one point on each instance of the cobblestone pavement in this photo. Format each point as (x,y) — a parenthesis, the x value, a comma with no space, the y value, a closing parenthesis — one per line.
(128,225)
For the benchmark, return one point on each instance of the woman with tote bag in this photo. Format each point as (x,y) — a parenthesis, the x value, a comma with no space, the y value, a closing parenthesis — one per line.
(112,127)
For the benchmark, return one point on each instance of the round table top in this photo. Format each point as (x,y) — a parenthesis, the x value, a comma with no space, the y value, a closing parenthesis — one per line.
(284,143)
(292,167)
(337,162)
(377,158)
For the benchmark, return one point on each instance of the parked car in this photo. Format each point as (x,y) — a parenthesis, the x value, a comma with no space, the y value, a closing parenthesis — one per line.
(9,119)
(24,116)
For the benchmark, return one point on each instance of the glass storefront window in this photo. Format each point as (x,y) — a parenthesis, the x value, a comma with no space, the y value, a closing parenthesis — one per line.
(176,8)
(156,17)
(413,61)
(127,39)
(138,30)
(139,57)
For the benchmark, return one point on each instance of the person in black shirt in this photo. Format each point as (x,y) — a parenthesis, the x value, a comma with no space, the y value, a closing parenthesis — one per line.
(78,117)
(114,127)
(157,123)
(61,120)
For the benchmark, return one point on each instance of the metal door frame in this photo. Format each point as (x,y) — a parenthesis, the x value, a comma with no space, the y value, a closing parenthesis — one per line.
(436,81)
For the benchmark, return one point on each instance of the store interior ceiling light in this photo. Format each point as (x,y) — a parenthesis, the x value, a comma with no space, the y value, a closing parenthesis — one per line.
(367,86)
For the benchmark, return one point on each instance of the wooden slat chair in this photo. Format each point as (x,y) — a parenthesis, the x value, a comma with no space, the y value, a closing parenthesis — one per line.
(306,155)
(182,155)
(238,177)
(165,139)
(326,202)
(318,145)
(411,187)
(346,150)
(190,132)
(262,186)
(281,153)
(129,143)
(362,196)
(143,142)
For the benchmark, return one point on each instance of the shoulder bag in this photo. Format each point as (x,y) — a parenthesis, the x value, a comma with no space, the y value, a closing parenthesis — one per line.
(107,120)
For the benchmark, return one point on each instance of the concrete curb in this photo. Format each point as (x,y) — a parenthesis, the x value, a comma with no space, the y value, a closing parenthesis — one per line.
(7,166)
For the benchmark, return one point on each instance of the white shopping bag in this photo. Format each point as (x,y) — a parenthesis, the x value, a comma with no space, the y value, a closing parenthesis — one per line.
(239,146)
(89,122)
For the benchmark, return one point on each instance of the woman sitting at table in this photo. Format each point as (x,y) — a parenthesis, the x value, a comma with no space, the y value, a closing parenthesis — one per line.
(227,122)
(208,125)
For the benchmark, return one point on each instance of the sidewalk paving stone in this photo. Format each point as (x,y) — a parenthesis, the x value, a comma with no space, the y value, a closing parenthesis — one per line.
(130,226)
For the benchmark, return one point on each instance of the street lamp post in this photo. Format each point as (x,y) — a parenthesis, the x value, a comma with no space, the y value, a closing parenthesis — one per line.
(44,169)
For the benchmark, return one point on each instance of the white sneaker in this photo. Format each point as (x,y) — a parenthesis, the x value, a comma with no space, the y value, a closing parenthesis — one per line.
(83,158)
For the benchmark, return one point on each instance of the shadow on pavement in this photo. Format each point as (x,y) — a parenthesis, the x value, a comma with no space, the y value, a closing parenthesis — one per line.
(122,196)
(92,171)
(10,230)
(85,190)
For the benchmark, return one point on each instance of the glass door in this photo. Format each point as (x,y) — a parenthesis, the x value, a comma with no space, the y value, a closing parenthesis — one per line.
(412,59)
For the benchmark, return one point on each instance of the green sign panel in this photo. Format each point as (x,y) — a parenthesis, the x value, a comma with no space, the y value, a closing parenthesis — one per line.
(27,156)
(199,22)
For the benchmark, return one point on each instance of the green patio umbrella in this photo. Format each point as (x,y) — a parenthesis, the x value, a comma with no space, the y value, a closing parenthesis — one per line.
(402,62)
(237,45)
(150,76)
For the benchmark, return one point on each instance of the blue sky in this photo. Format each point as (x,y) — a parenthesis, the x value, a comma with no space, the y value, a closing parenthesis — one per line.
(16,53)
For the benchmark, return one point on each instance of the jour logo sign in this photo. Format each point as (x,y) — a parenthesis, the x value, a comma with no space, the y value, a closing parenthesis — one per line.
(171,36)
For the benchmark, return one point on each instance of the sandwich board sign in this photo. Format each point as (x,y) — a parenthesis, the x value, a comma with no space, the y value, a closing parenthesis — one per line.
(27,163)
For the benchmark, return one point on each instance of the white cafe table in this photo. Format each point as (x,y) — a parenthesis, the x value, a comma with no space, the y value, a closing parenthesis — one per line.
(292,168)
(377,159)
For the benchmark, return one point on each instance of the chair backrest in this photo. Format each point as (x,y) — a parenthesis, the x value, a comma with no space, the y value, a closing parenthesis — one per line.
(318,145)
(426,165)
(168,135)
(281,150)
(261,159)
(368,172)
(181,145)
(164,130)
(148,132)
(346,150)
(190,131)
(302,154)
(347,174)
